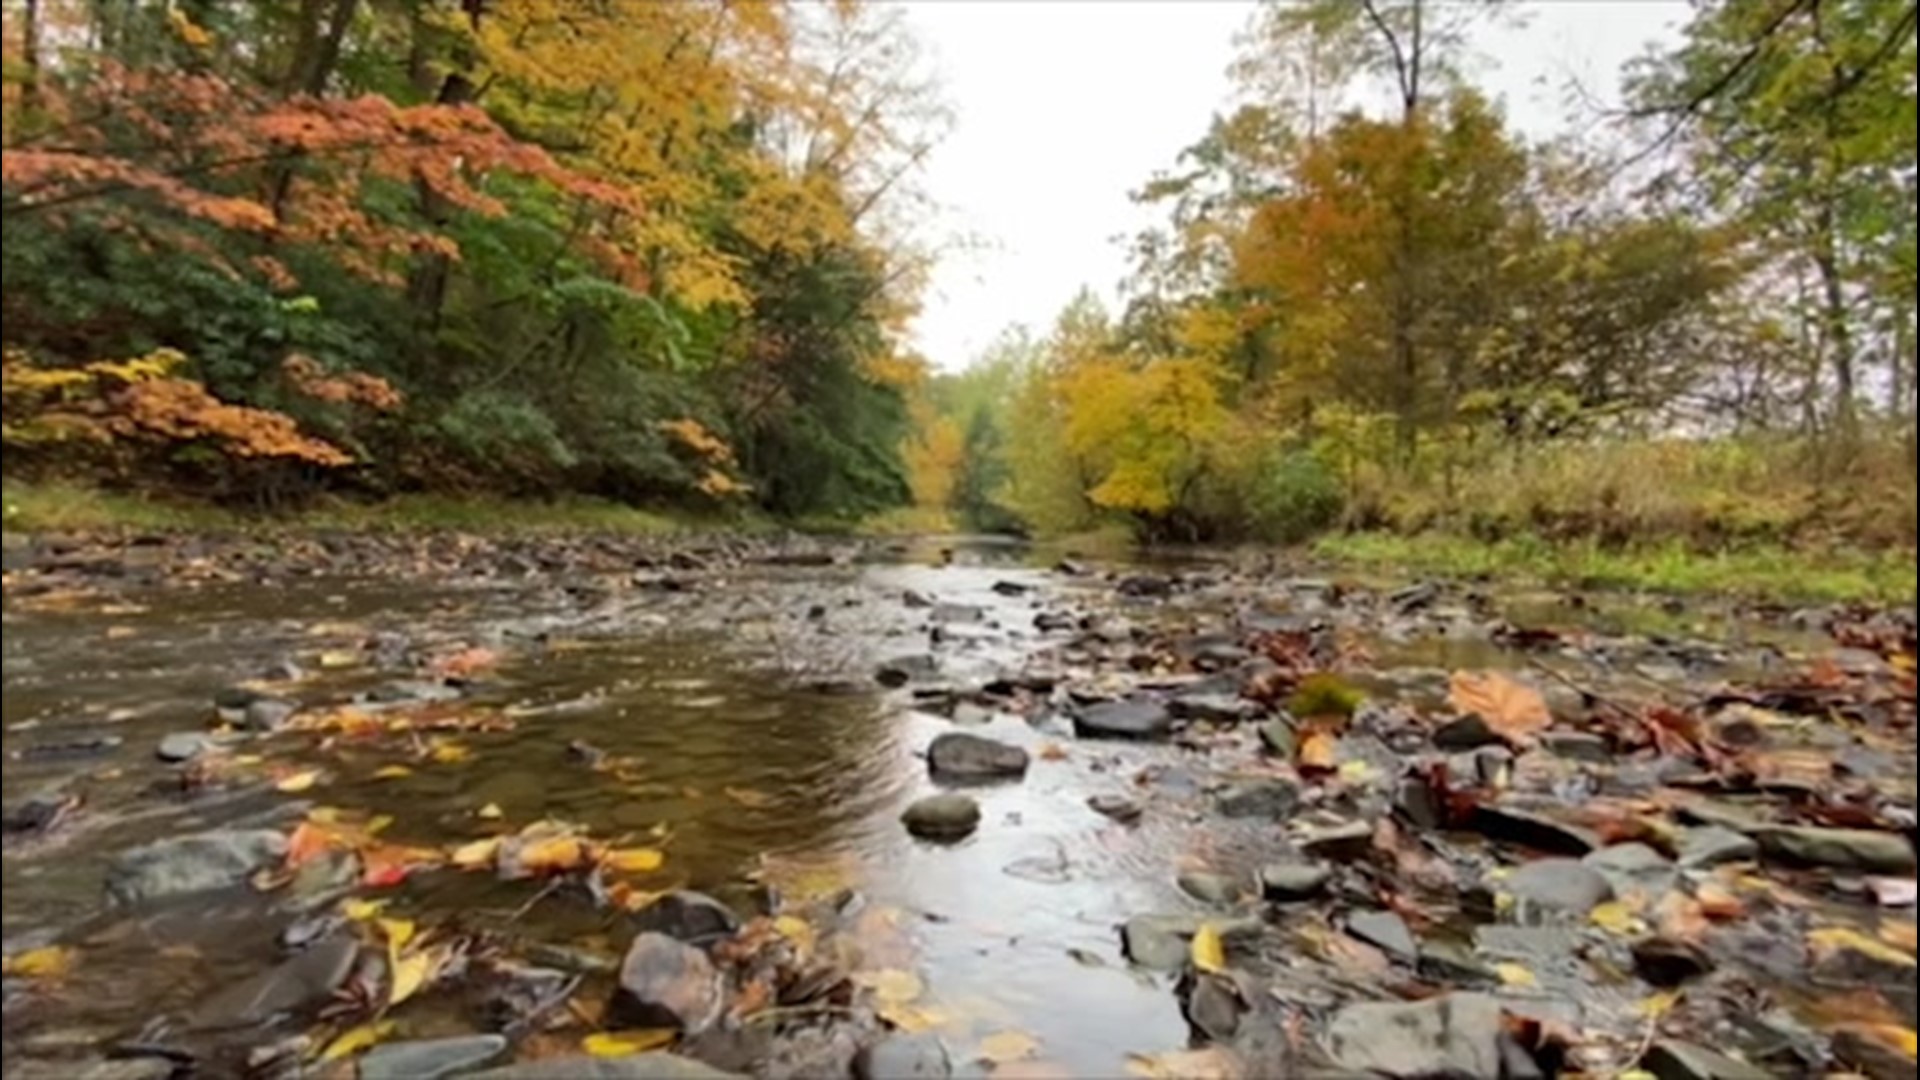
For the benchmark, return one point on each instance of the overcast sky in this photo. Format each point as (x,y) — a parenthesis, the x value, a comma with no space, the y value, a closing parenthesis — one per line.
(1064,106)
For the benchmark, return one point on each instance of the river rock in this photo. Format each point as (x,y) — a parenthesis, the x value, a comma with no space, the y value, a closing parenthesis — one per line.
(1273,797)
(1138,718)
(269,714)
(1633,867)
(1214,708)
(942,817)
(1666,962)
(1454,1035)
(1846,849)
(666,983)
(1118,807)
(200,862)
(1578,746)
(1671,1059)
(1159,942)
(1145,585)
(1529,829)
(1208,887)
(902,670)
(1387,932)
(957,755)
(654,1065)
(1277,739)
(1469,732)
(1294,881)
(40,811)
(957,613)
(1213,1006)
(303,982)
(430,1059)
(1565,886)
(903,1056)
(1343,842)
(185,746)
(688,916)
(1711,845)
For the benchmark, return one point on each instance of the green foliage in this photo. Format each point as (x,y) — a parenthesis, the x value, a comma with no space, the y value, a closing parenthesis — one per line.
(1295,496)
(1325,695)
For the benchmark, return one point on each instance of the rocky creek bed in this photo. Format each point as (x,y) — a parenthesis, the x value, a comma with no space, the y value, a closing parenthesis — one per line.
(421,807)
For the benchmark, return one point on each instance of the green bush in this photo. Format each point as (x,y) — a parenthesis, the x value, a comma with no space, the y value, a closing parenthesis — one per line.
(1293,496)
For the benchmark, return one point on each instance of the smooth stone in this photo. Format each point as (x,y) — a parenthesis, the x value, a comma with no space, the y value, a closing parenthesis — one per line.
(1277,739)
(1537,831)
(1343,842)
(1213,1008)
(1214,708)
(687,916)
(1454,1035)
(1846,849)
(1294,881)
(1671,1059)
(902,1056)
(269,714)
(1469,732)
(1134,719)
(942,817)
(1453,961)
(1274,798)
(1712,845)
(302,982)
(1559,885)
(902,670)
(1118,807)
(957,755)
(185,746)
(430,1059)
(200,862)
(653,1065)
(958,613)
(1387,932)
(1209,888)
(1633,866)
(1159,942)
(666,983)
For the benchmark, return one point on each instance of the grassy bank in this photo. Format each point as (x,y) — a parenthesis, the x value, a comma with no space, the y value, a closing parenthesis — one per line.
(1767,572)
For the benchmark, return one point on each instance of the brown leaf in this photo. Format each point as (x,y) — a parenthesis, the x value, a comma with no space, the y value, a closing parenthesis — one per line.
(1681,918)
(1319,751)
(1515,711)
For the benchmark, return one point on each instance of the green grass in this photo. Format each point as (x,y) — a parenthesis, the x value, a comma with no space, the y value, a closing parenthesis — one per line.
(57,508)
(1758,572)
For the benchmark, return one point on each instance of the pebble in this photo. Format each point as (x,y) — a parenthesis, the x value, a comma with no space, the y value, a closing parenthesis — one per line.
(950,816)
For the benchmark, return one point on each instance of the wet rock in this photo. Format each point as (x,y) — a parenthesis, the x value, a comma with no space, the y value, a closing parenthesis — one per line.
(1292,881)
(1671,1059)
(303,982)
(41,811)
(1274,797)
(1846,849)
(1342,842)
(942,817)
(957,613)
(1049,622)
(1633,867)
(1453,962)
(1559,885)
(185,746)
(1418,802)
(1528,829)
(1159,942)
(1213,1007)
(1469,732)
(1145,586)
(1454,1035)
(268,714)
(1665,962)
(1414,597)
(666,983)
(687,916)
(1072,568)
(1712,845)
(1137,718)
(902,1056)
(654,1065)
(234,700)
(1117,807)
(960,756)
(138,1068)
(68,749)
(1578,746)
(1277,739)
(902,670)
(1385,931)
(430,1059)
(1011,588)
(1214,708)
(1208,887)
(201,862)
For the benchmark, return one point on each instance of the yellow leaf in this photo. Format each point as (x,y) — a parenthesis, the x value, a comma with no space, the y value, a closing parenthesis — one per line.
(633,860)
(1891,1036)
(410,973)
(448,752)
(1209,952)
(1618,918)
(396,932)
(1900,935)
(1825,942)
(295,783)
(334,659)
(490,812)
(892,986)
(1514,711)
(354,1040)
(361,910)
(1005,1046)
(475,854)
(1658,1005)
(1515,974)
(623,1043)
(393,772)
(798,931)
(51,962)
(912,1019)
(379,824)
(1357,772)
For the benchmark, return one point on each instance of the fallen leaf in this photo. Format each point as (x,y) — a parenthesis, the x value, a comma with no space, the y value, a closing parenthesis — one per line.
(798,931)
(553,855)
(355,1040)
(49,962)
(1895,1037)
(1006,1046)
(1618,918)
(1209,953)
(1900,935)
(1318,750)
(749,798)
(1718,903)
(633,860)
(294,783)
(396,932)
(358,910)
(335,659)
(1512,974)
(892,986)
(623,1043)
(1681,918)
(1893,892)
(912,1019)
(392,772)
(1053,751)
(1514,711)
(1830,940)
(490,812)
(475,854)
(1655,1006)
(308,842)
(448,752)
(411,971)
(466,662)
(1211,1063)
(384,865)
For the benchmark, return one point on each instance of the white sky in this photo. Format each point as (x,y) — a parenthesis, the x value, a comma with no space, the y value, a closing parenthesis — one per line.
(1064,106)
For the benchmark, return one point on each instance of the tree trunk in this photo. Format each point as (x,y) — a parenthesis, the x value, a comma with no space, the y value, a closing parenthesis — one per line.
(30,58)
(427,286)
(1835,326)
